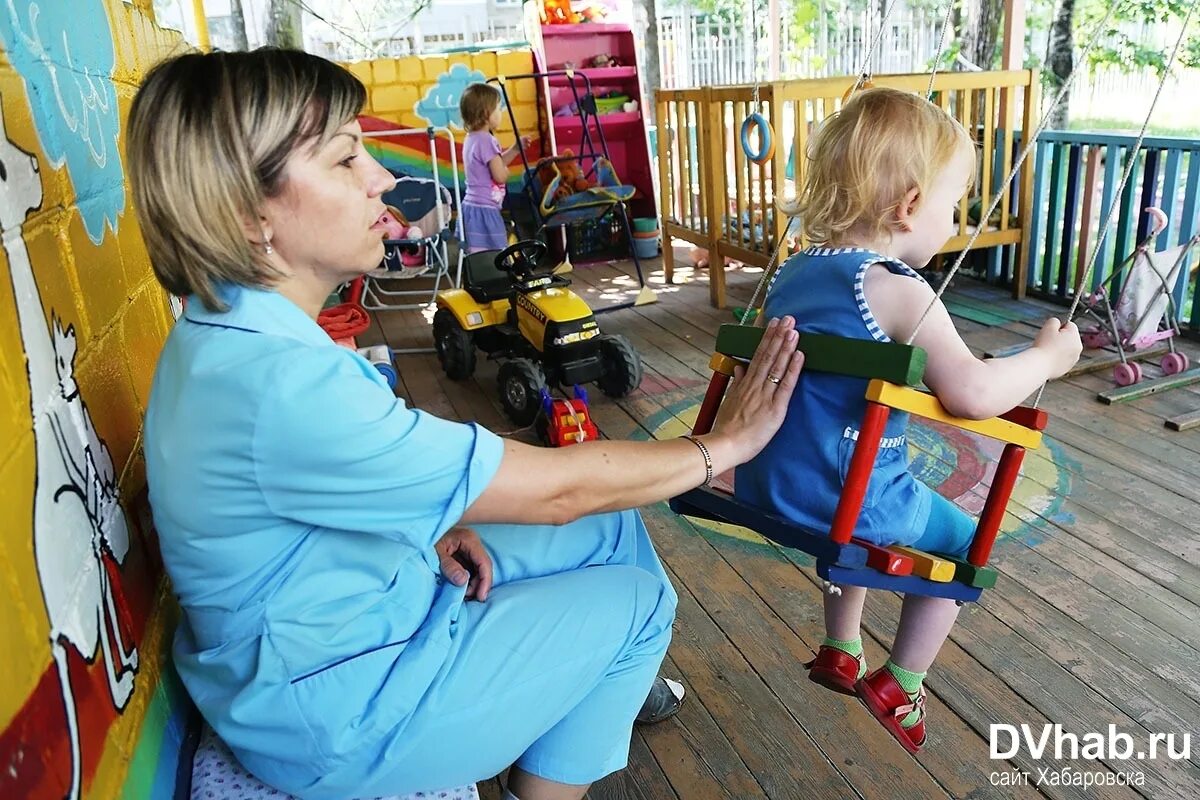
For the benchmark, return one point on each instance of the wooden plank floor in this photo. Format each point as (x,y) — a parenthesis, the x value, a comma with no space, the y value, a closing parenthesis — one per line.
(1094,621)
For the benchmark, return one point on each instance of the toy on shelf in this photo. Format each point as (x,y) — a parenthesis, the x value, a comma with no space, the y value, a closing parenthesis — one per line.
(566,421)
(606,54)
(559,12)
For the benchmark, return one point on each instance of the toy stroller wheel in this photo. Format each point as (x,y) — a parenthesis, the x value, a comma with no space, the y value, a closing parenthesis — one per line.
(520,381)
(621,366)
(1127,374)
(1095,338)
(455,348)
(1173,363)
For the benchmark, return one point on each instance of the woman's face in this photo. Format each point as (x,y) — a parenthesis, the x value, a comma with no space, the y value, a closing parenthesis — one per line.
(324,223)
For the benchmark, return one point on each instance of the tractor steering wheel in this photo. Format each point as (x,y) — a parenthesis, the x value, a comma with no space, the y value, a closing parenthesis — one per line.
(522,258)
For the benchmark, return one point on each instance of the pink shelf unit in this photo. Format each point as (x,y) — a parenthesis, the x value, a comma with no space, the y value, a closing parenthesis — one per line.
(625,131)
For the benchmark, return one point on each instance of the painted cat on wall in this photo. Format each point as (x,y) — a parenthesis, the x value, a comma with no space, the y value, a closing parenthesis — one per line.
(80,531)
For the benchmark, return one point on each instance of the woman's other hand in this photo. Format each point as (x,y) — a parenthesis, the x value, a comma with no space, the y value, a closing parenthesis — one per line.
(757,402)
(464,559)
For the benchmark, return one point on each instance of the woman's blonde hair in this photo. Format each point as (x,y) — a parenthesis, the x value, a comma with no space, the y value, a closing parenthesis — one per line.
(209,137)
(476,105)
(866,157)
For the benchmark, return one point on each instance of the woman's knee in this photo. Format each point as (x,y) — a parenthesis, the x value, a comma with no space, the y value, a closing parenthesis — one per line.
(652,599)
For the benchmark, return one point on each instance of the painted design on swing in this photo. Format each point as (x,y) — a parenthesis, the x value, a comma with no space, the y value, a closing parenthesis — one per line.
(957,464)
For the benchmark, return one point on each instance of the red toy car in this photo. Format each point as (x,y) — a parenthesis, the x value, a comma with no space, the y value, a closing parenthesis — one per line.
(566,421)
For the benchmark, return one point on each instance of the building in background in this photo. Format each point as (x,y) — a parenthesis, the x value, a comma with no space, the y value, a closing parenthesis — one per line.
(361,29)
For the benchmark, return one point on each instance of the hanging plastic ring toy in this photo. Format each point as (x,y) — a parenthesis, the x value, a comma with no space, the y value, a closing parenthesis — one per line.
(766,139)
(859,86)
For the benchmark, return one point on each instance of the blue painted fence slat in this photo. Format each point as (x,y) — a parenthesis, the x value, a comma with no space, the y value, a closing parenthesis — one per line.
(1164,172)
(1070,209)
(1056,185)
(1104,258)
(1034,215)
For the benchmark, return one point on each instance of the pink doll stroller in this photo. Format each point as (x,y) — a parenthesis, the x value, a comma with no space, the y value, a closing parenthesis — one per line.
(1145,312)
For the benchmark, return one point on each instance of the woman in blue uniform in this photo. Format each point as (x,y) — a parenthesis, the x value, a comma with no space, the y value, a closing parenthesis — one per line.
(344,631)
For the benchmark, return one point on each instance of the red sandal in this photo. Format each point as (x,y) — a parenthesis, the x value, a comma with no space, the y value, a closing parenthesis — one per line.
(834,669)
(883,697)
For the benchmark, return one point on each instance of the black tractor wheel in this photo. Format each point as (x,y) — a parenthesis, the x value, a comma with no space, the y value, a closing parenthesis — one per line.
(455,348)
(521,381)
(621,366)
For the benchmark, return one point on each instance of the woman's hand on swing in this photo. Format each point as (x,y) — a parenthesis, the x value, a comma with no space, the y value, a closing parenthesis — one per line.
(757,401)
(464,559)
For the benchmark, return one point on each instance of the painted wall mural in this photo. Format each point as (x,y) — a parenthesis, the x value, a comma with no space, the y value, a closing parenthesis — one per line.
(67,69)
(81,323)
(416,92)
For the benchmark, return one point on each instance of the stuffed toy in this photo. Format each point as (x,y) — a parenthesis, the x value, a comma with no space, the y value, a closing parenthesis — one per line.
(559,12)
(395,227)
(603,60)
(572,175)
(593,13)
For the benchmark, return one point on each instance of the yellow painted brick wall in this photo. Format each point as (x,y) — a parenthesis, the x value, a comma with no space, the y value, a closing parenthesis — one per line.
(396,85)
(71,267)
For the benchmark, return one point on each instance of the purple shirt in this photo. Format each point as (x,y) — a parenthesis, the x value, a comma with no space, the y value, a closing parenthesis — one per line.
(480,148)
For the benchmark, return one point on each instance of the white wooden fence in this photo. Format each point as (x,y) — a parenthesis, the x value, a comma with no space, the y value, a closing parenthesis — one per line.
(706,51)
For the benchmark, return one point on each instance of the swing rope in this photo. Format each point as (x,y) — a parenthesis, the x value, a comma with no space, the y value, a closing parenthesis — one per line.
(768,271)
(1129,167)
(1005,184)
(937,59)
(864,72)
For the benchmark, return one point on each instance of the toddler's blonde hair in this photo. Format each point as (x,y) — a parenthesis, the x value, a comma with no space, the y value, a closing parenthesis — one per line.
(866,157)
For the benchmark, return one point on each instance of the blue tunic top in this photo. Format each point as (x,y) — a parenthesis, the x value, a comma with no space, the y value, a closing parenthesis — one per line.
(800,473)
(297,502)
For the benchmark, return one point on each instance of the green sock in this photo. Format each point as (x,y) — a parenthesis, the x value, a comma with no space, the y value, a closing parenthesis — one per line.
(851,647)
(910,682)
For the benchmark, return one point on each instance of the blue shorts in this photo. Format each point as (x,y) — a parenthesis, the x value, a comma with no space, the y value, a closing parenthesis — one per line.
(949,530)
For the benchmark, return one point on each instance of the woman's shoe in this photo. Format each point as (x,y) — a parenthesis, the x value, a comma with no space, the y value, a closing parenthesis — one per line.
(884,698)
(663,702)
(835,669)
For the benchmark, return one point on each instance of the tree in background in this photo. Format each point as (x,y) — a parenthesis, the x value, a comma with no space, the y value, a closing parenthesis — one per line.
(283,25)
(1060,60)
(368,28)
(1125,45)
(978,24)
(651,70)
(238,21)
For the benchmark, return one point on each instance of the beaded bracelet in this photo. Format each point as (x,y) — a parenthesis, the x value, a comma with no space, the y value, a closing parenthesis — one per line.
(708,465)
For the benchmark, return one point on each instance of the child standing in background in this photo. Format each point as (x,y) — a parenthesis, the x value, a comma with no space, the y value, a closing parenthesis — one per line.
(486,166)
(885,176)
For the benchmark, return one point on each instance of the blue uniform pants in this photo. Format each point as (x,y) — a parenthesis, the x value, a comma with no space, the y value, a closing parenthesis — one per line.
(551,670)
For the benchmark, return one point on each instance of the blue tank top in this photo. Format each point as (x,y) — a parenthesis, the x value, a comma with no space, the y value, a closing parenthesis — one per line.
(800,473)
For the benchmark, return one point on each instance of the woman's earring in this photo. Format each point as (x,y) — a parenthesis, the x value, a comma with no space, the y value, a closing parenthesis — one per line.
(267,247)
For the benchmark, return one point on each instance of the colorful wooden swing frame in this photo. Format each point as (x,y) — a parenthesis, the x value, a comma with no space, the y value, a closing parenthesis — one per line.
(893,371)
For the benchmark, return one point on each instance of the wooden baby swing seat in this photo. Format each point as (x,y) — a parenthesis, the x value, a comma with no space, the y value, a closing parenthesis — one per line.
(893,371)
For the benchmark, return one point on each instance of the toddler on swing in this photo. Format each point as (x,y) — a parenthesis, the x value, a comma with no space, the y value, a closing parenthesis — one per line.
(885,175)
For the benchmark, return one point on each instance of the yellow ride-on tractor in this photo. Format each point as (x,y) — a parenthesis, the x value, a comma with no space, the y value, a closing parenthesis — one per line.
(546,335)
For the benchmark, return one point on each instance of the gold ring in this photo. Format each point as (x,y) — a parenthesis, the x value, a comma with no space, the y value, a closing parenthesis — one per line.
(773,379)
